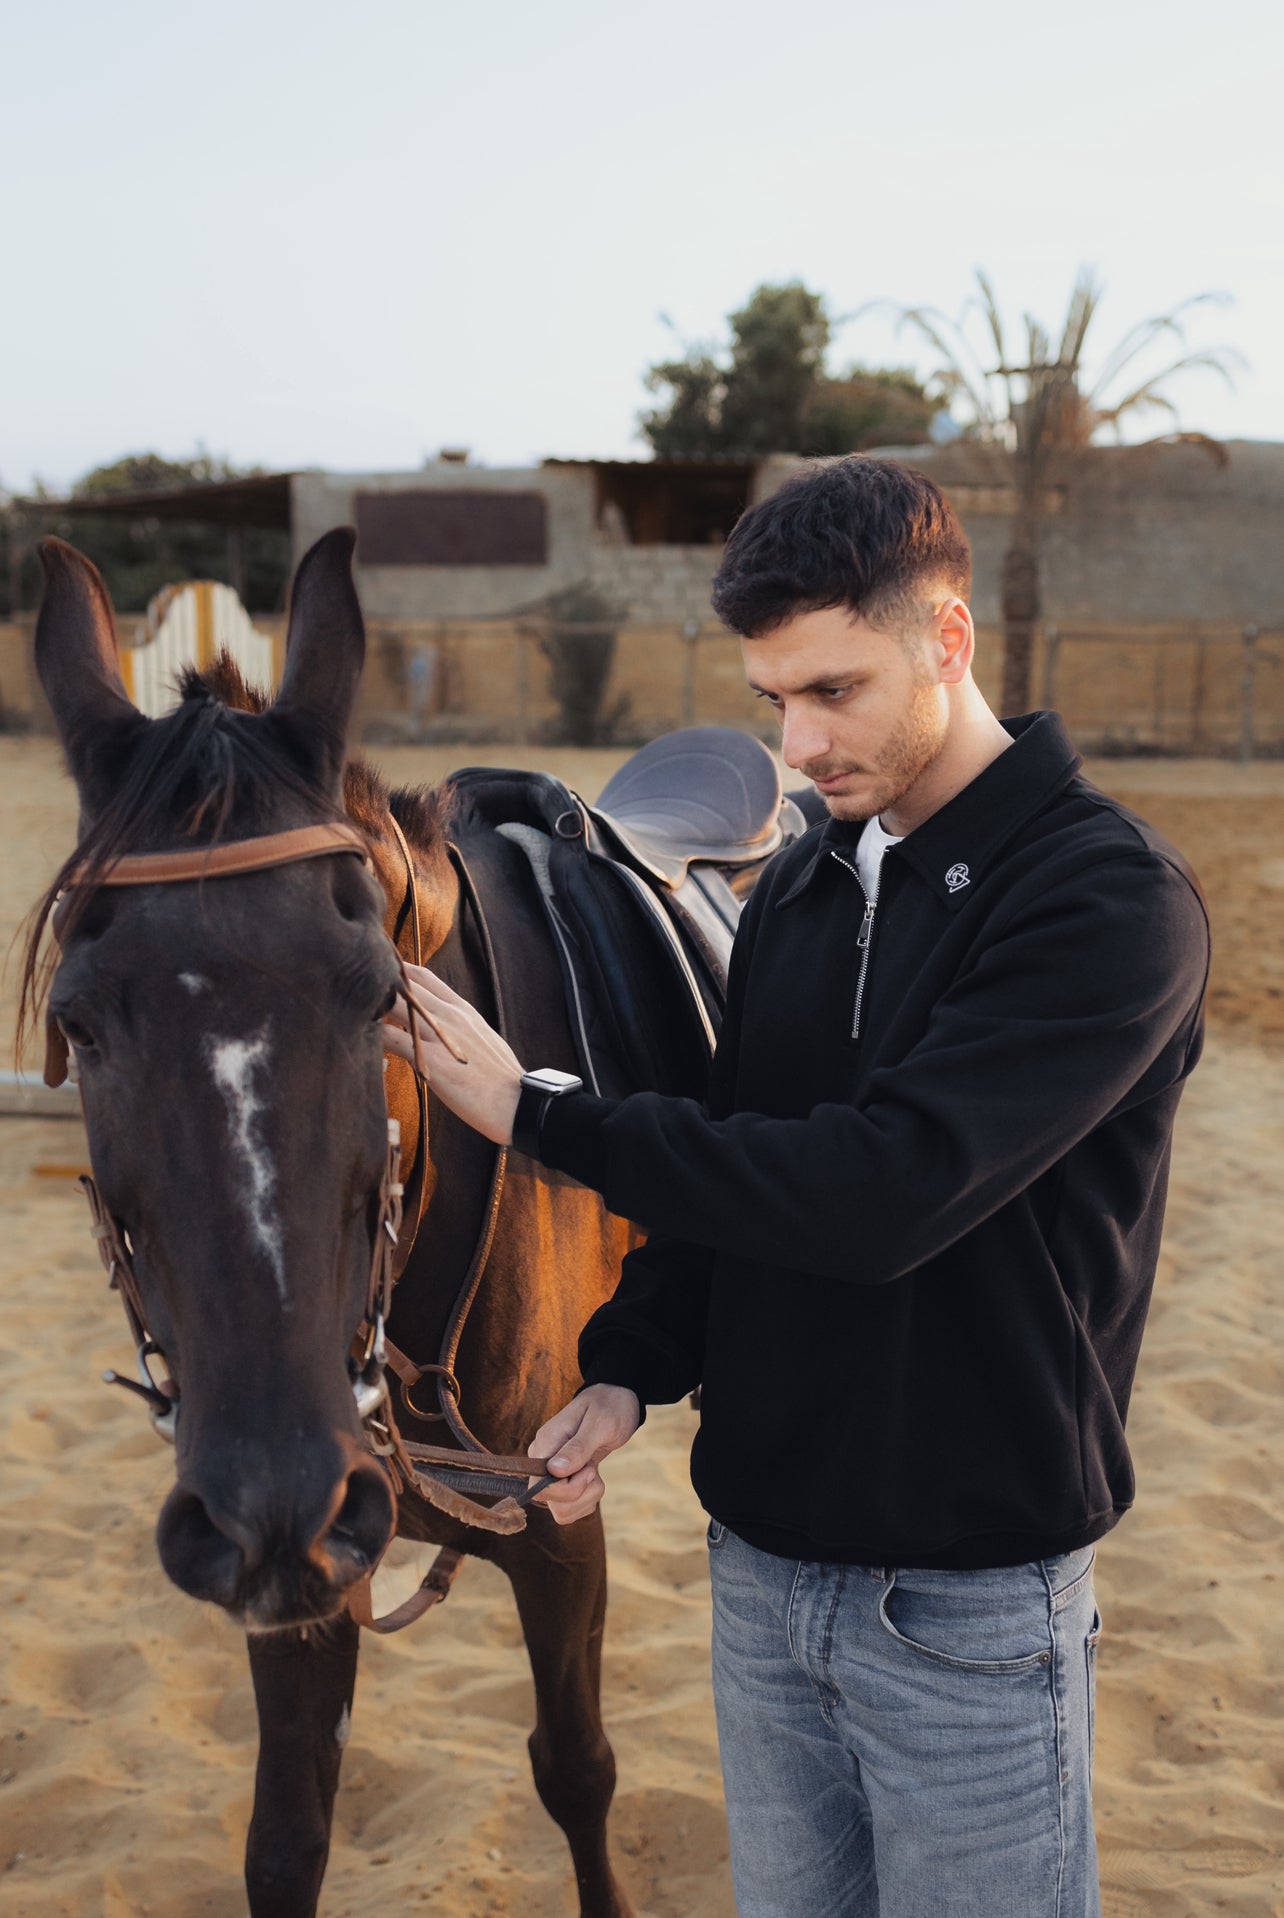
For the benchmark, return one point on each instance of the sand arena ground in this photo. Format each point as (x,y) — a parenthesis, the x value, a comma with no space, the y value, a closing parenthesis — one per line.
(127,1731)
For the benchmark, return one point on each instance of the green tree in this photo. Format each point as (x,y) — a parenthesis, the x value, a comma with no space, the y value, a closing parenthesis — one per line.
(1039,409)
(139,555)
(770,391)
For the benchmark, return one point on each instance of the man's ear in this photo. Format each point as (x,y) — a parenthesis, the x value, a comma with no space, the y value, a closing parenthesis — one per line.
(78,666)
(956,637)
(325,651)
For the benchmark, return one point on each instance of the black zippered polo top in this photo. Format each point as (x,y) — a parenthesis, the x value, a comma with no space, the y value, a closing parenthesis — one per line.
(910,1270)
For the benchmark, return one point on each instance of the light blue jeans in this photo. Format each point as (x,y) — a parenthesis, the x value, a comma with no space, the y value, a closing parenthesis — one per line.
(906,1744)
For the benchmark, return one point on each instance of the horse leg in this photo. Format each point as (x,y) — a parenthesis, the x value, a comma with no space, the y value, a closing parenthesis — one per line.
(303,1686)
(559,1581)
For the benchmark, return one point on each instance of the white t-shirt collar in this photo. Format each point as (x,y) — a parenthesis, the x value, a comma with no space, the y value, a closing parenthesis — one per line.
(872,845)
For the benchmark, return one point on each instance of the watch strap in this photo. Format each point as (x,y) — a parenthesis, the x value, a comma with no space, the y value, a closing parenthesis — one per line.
(532,1102)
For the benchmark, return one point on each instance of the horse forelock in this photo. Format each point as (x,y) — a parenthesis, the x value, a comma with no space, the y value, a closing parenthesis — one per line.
(224,682)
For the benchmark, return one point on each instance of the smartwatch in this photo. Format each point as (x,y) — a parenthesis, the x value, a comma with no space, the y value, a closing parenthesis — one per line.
(539,1089)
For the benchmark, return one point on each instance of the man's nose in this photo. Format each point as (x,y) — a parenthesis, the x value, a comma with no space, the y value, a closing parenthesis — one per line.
(804,739)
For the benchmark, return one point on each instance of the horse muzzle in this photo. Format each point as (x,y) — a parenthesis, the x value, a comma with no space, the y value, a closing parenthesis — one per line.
(273,1547)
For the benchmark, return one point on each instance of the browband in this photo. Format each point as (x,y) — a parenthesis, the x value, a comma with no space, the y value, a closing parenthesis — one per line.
(200,862)
(236,856)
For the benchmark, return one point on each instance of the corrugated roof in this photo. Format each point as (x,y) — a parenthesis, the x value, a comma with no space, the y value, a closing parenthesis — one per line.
(262,499)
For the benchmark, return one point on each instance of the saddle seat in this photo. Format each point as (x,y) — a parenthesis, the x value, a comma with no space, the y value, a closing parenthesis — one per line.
(706,795)
(642,893)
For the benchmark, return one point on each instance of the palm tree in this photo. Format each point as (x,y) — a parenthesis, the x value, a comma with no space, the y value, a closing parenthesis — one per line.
(1041,411)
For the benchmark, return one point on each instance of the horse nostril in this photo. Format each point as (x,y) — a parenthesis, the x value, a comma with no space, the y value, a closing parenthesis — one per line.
(362,1526)
(201,1559)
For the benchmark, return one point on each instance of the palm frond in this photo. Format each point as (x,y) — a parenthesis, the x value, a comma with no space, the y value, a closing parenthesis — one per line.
(1213,359)
(1084,301)
(989,306)
(1145,332)
(1037,343)
(935,328)
(1216,450)
(1137,403)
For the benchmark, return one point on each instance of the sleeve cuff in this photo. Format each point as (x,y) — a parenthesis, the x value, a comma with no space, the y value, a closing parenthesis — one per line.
(571,1139)
(620,1361)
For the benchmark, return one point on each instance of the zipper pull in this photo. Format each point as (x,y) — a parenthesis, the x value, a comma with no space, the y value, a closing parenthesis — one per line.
(867,925)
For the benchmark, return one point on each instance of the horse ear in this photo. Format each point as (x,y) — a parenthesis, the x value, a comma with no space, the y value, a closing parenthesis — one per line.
(79,667)
(325,651)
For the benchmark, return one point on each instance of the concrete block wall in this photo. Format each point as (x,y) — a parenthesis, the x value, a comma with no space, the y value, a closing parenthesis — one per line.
(657,585)
(323,500)
(1142,536)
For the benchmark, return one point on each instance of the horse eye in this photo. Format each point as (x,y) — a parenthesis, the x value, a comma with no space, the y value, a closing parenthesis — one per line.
(76,1034)
(387,1004)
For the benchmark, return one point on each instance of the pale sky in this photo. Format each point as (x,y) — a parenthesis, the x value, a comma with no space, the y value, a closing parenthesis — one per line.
(308,233)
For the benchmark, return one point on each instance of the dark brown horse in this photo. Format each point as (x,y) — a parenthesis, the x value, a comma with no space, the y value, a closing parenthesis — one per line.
(227,1036)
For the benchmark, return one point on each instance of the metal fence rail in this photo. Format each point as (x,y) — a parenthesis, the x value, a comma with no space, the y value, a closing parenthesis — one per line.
(1194,690)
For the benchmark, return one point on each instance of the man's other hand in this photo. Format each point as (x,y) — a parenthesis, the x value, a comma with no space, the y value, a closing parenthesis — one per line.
(467,1064)
(576,1440)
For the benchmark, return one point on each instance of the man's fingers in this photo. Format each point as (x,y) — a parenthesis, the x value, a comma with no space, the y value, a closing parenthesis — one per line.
(434,990)
(558,1440)
(399,1043)
(430,1017)
(574,1497)
(596,1423)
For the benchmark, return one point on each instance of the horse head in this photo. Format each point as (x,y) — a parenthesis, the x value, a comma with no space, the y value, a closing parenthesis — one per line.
(226,1035)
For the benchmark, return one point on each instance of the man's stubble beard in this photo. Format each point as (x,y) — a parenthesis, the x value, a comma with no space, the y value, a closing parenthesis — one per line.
(915,746)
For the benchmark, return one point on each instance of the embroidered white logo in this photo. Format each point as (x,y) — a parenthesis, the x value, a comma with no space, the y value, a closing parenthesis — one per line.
(957,877)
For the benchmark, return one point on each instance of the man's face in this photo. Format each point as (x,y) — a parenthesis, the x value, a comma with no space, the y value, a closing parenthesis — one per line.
(863,712)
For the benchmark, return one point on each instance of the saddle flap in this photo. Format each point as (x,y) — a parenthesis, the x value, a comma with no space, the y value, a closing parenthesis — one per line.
(643,1007)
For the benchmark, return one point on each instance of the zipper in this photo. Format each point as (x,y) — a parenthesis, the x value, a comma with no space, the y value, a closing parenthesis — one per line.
(863,938)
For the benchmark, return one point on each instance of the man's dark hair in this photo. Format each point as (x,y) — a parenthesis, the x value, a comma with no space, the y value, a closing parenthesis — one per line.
(863,533)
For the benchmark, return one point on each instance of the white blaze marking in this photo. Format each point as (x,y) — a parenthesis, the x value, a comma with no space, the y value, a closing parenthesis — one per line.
(233,1062)
(194,982)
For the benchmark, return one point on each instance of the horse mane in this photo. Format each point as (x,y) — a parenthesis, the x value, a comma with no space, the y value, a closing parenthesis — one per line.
(425,814)
(210,770)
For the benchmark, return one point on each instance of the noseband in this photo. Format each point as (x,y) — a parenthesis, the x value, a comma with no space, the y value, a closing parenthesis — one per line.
(444,1485)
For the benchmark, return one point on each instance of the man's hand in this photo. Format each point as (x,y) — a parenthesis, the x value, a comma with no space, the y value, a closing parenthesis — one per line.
(576,1440)
(471,1069)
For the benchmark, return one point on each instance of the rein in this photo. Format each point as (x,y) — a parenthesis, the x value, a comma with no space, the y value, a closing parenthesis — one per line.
(442,1476)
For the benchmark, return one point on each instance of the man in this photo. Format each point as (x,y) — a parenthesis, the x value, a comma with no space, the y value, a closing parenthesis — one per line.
(907,1246)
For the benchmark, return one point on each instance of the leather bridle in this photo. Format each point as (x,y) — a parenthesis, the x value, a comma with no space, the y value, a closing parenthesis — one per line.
(443,1476)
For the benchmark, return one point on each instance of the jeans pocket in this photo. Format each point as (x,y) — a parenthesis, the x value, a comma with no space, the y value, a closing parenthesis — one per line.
(1067,1575)
(992,1622)
(716,1535)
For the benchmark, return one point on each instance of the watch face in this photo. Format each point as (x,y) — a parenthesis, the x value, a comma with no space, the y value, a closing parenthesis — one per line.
(548,1079)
